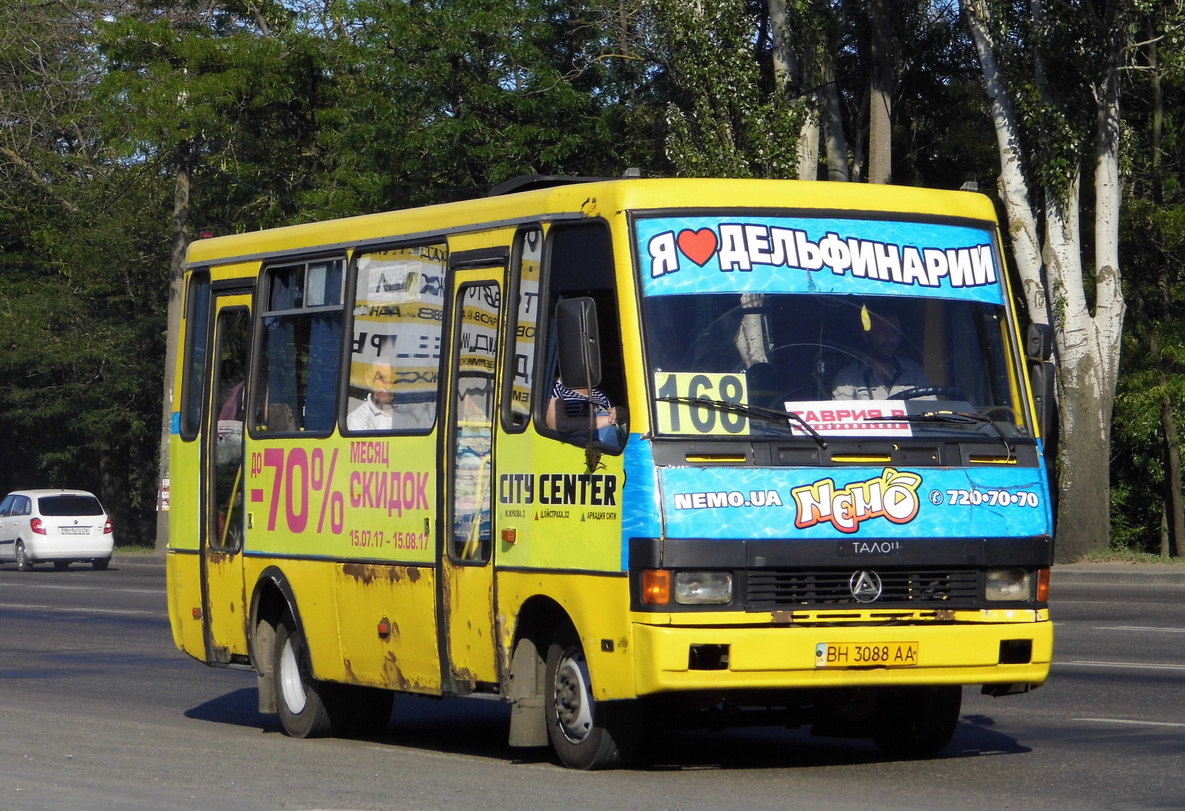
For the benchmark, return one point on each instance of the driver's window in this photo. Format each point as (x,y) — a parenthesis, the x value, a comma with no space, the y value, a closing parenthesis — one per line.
(580,265)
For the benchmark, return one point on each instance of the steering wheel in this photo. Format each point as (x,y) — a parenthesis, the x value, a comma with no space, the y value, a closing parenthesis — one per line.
(815,363)
(943,392)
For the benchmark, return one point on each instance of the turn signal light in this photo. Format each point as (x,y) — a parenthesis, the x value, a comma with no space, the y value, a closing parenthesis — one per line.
(656,587)
(1042,585)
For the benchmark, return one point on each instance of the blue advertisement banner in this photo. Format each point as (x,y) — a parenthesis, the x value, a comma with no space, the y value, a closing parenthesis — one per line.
(854,503)
(817,255)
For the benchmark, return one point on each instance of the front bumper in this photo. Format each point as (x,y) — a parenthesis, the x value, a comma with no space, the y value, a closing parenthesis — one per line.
(668,658)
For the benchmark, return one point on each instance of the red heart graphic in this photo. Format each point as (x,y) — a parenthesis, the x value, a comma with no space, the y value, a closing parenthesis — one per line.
(698,246)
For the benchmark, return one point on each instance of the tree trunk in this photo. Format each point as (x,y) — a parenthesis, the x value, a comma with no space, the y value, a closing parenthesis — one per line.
(114,489)
(808,146)
(836,146)
(1083,514)
(1087,363)
(1014,188)
(789,72)
(1087,332)
(880,135)
(173,326)
(1173,535)
(880,98)
(1174,508)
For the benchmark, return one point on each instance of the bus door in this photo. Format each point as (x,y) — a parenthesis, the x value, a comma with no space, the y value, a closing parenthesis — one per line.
(467,595)
(223,482)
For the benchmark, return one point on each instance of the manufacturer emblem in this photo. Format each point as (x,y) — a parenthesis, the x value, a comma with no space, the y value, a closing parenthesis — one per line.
(865,586)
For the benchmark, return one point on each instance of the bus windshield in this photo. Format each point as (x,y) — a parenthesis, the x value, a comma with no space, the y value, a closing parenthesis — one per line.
(845,366)
(816,327)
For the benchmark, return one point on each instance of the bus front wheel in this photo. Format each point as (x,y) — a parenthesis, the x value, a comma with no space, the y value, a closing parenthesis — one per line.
(302,701)
(585,733)
(917,722)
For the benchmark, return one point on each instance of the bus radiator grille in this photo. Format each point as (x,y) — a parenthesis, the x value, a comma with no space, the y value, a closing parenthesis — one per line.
(784,588)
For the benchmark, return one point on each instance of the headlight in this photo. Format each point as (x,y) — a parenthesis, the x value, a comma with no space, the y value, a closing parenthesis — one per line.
(703,588)
(1008,585)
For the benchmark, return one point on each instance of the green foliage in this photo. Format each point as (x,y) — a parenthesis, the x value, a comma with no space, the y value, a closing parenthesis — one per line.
(723,123)
(1055,58)
(79,286)
(442,101)
(239,99)
(1152,380)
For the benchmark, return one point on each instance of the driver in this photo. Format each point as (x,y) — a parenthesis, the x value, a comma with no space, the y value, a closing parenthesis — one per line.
(883,372)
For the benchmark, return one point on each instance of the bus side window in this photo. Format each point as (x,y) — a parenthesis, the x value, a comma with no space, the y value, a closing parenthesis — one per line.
(395,347)
(197,333)
(524,326)
(580,263)
(300,354)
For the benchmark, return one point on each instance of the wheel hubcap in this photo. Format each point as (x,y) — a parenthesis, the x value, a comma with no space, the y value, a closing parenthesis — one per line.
(573,703)
(291,686)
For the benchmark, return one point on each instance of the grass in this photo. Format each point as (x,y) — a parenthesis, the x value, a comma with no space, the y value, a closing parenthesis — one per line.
(135,550)
(1132,557)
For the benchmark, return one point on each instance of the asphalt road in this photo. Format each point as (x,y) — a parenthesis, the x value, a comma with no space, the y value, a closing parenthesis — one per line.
(99,711)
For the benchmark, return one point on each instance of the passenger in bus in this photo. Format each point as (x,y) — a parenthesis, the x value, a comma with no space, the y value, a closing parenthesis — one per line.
(377,411)
(883,372)
(234,406)
(383,411)
(568,408)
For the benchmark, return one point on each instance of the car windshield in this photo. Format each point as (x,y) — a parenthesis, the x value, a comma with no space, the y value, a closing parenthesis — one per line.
(69,505)
(840,365)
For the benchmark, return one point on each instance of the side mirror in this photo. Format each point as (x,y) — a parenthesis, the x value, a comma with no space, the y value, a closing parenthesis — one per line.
(1041,375)
(579,343)
(1039,342)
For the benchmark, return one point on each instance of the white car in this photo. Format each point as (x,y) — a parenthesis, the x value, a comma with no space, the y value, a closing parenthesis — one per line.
(54,526)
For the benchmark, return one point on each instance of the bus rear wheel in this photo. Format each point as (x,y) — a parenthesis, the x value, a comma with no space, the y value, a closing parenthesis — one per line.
(585,733)
(917,722)
(304,704)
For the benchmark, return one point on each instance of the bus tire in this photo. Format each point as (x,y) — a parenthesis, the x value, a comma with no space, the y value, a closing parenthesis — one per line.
(303,703)
(917,722)
(585,733)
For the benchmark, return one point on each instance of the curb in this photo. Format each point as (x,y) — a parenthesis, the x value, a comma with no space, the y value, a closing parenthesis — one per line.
(127,561)
(1069,574)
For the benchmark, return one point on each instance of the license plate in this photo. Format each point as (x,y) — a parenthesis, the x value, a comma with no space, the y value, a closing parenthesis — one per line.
(866,654)
(75,530)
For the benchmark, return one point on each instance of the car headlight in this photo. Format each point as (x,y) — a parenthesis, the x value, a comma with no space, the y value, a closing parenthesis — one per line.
(703,588)
(1011,585)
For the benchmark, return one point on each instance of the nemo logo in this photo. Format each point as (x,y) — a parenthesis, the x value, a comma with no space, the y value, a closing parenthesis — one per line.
(892,495)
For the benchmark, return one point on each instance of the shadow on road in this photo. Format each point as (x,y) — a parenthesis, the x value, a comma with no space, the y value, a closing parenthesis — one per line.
(237,708)
(478,728)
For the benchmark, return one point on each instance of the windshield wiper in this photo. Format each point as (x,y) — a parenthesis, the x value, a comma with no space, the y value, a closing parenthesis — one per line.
(754,412)
(949,418)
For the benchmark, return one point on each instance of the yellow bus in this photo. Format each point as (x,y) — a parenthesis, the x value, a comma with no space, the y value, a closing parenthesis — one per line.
(621,452)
